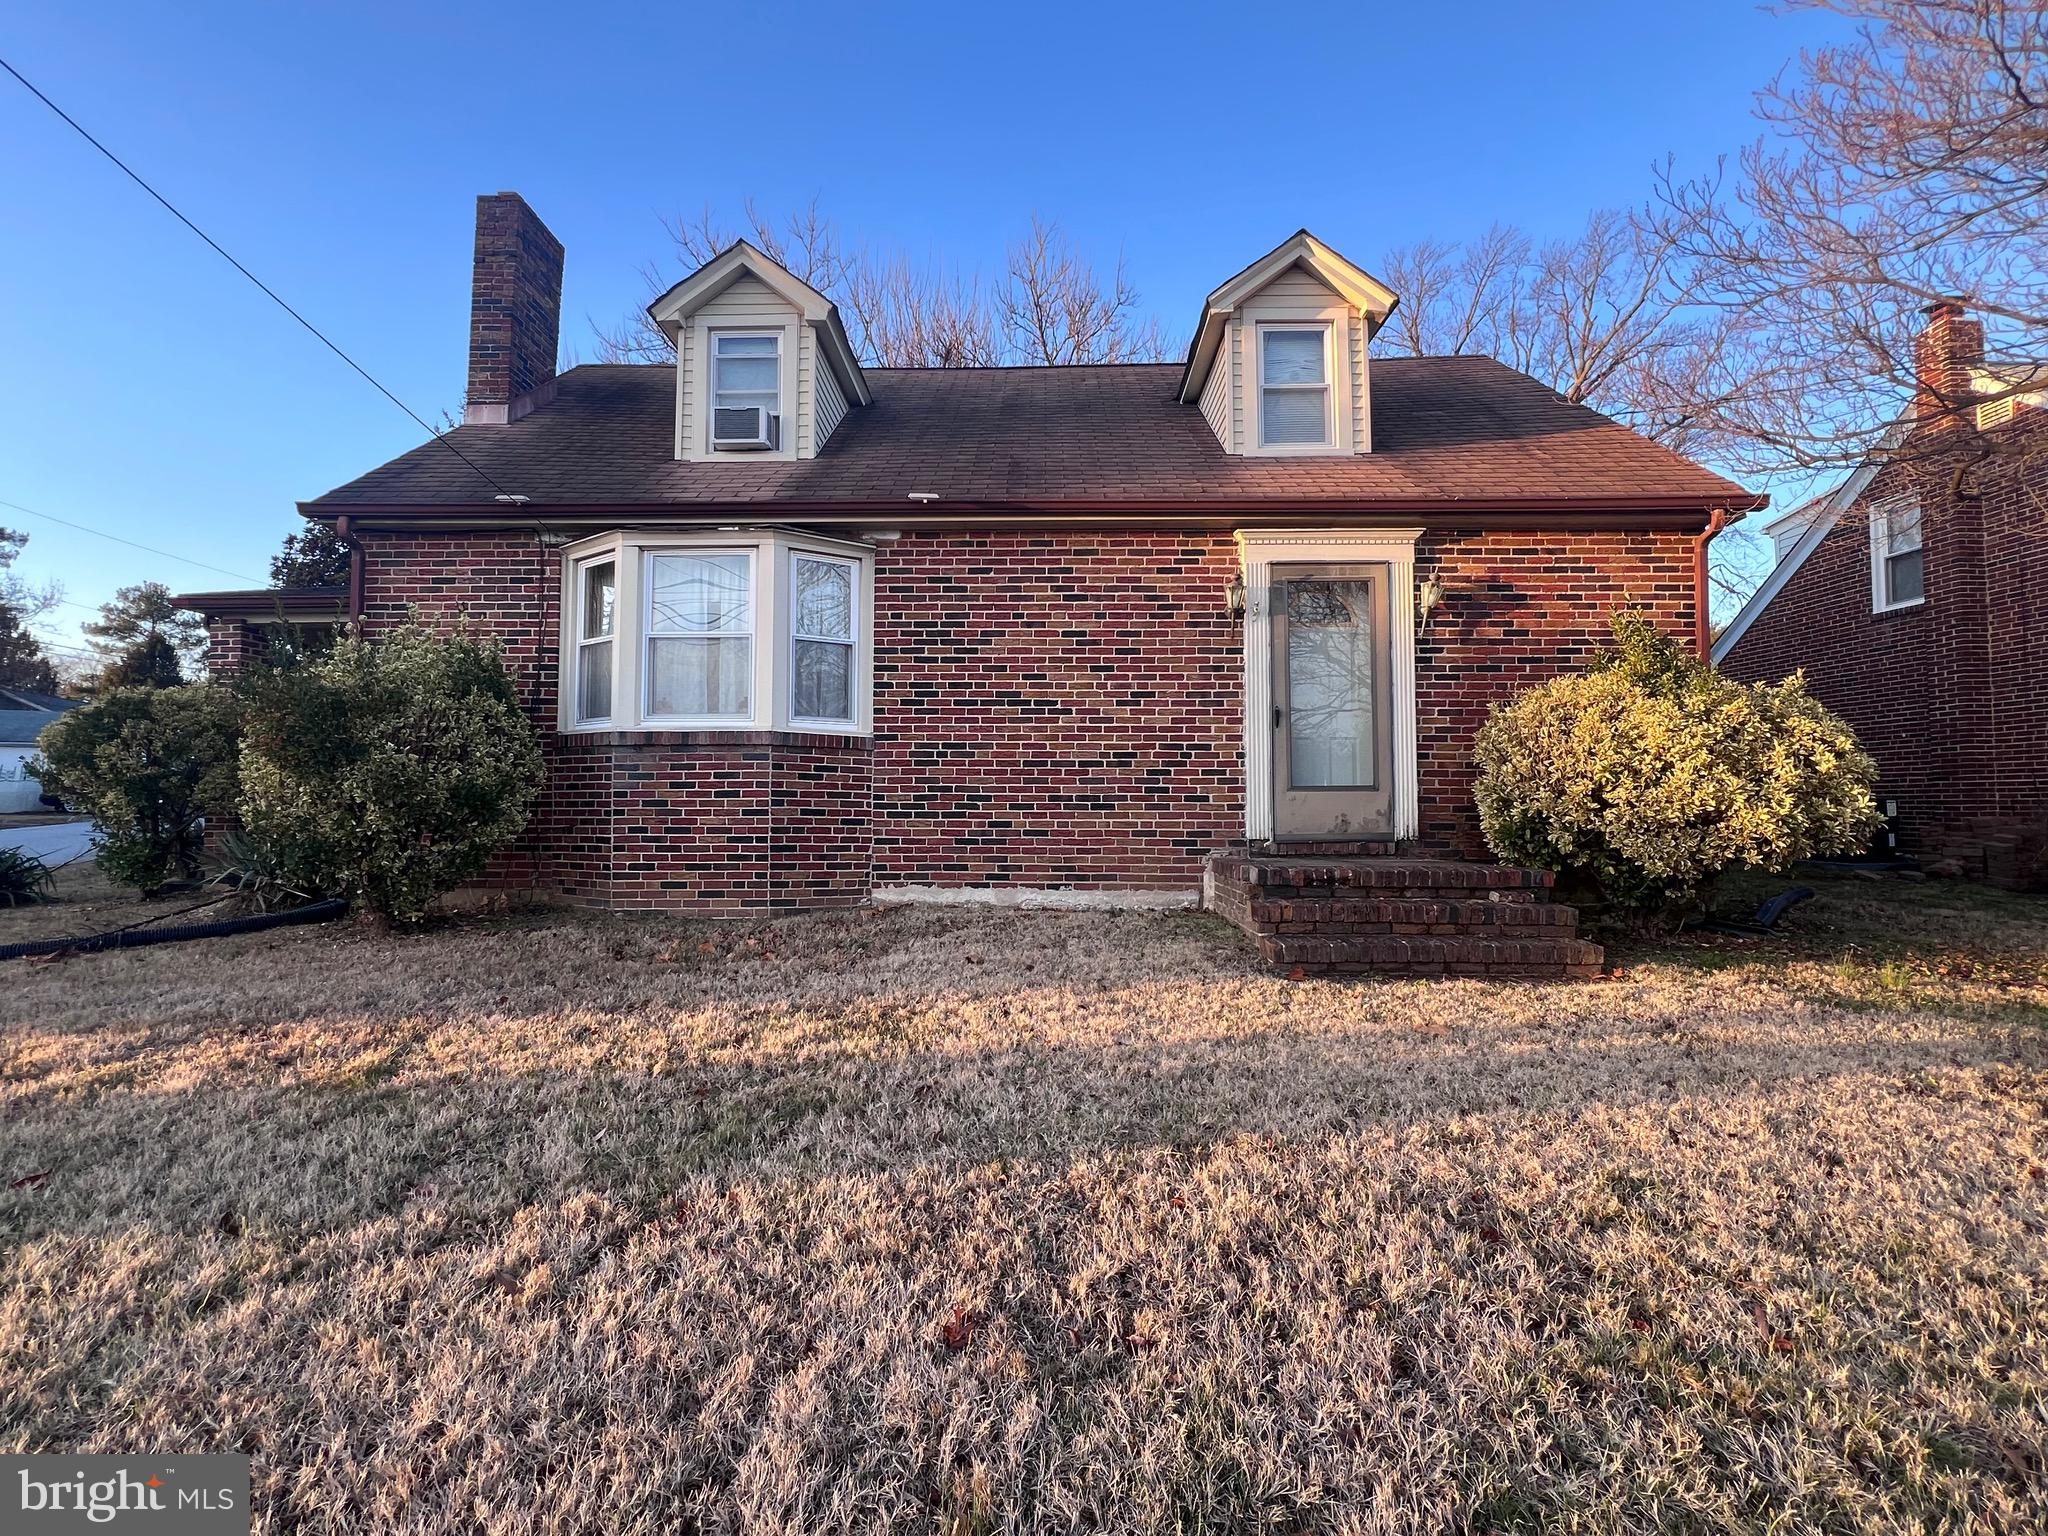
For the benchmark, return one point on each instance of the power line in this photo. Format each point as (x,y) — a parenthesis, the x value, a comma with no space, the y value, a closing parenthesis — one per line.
(267,289)
(15,506)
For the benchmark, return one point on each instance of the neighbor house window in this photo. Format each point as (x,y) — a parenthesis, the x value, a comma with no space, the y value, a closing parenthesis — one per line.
(746,391)
(824,594)
(1294,386)
(597,587)
(700,636)
(1898,568)
(739,629)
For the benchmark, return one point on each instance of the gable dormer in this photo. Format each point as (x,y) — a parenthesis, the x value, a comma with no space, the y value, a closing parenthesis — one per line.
(763,365)
(1280,362)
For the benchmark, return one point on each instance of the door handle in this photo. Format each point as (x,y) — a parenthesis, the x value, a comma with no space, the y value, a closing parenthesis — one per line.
(1278,715)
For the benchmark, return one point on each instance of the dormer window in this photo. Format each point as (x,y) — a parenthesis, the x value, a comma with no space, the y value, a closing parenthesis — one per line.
(1294,386)
(746,390)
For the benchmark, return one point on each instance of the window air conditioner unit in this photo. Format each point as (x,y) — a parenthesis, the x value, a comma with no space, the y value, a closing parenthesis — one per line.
(745,426)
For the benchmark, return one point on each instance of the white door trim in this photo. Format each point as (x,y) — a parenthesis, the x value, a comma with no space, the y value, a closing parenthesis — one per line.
(1258,551)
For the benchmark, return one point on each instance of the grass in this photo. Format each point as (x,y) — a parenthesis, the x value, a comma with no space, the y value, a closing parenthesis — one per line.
(959,1222)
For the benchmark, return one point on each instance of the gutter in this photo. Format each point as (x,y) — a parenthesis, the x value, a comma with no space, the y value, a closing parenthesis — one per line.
(1703,628)
(343,530)
(1534,512)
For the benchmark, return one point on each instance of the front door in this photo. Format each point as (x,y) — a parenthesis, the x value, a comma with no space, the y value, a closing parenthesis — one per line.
(1332,742)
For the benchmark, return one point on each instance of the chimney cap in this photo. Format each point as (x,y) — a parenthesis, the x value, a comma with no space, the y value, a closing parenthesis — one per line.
(1947,305)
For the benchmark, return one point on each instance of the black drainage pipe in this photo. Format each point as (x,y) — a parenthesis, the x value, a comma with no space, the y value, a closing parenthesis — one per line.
(140,938)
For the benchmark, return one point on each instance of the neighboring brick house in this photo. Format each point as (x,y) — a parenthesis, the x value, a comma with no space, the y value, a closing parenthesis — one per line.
(1916,600)
(798,631)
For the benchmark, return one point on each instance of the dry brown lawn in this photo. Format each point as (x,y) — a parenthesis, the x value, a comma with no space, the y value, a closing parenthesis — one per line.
(958,1222)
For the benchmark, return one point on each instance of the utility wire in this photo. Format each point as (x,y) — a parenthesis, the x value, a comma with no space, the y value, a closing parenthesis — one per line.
(267,289)
(15,506)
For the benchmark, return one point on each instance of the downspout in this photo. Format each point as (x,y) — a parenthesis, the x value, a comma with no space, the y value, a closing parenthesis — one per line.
(1703,628)
(355,568)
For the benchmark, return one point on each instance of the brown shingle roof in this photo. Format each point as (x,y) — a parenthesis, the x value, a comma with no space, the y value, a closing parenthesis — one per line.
(1449,429)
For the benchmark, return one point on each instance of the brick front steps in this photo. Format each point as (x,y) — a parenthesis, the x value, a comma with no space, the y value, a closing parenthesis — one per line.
(1336,910)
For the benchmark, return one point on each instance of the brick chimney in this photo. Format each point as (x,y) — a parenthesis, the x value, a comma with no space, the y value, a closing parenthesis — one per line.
(1946,355)
(515,311)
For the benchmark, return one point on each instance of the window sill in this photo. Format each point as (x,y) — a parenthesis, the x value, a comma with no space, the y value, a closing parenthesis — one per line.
(1878,611)
(744,737)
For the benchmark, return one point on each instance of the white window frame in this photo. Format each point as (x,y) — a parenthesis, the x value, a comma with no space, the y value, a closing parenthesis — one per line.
(1328,386)
(1881,550)
(580,641)
(712,392)
(771,608)
(852,642)
(647,635)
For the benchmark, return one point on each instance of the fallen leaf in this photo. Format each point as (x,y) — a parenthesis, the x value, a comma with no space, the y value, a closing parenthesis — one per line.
(33,1180)
(958,1331)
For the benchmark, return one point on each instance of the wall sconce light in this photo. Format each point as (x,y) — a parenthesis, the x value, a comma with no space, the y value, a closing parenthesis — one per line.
(1233,598)
(1428,593)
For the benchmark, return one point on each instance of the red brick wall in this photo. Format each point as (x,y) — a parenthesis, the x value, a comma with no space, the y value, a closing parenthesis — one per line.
(1055,709)
(1950,697)
(1520,608)
(1051,709)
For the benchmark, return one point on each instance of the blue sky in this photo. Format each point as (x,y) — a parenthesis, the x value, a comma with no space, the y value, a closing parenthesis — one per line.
(148,390)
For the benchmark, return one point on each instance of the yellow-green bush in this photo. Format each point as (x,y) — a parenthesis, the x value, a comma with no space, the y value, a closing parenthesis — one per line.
(1651,774)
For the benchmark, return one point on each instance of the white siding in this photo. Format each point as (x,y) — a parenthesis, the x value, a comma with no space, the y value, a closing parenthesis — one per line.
(1296,296)
(1235,352)
(1295,286)
(1361,387)
(830,408)
(747,302)
(1216,401)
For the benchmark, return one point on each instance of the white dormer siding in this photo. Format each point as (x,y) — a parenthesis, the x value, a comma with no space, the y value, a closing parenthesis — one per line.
(1255,370)
(741,300)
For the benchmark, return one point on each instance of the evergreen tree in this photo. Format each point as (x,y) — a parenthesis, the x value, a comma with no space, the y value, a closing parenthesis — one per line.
(143,637)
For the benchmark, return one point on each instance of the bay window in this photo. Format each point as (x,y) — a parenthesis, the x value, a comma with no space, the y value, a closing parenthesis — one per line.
(597,590)
(823,591)
(716,631)
(700,635)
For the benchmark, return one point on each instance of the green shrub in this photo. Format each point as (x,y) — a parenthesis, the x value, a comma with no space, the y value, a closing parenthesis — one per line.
(387,773)
(1652,774)
(147,765)
(24,878)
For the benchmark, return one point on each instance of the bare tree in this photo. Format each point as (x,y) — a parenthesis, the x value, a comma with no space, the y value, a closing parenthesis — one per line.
(1455,299)
(1055,309)
(1905,165)
(1050,308)
(1607,318)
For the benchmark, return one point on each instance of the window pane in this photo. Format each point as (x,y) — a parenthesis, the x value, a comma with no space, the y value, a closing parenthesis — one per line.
(1329,684)
(699,594)
(824,681)
(1905,577)
(1294,357)
(700,678)
(824,599)
(600,592)
(1902,530)
(594,681)
(1293,416)
(747,346)
(746,373)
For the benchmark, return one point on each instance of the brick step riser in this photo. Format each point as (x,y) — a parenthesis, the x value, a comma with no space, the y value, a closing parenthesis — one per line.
(1467,895)
(1460,954)
(1338,910)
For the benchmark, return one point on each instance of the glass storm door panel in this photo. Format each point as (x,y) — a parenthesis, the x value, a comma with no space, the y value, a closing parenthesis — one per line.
(1332,757)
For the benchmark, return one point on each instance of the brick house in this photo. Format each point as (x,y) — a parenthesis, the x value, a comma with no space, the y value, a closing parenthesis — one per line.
(1916,599)
(799,632)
